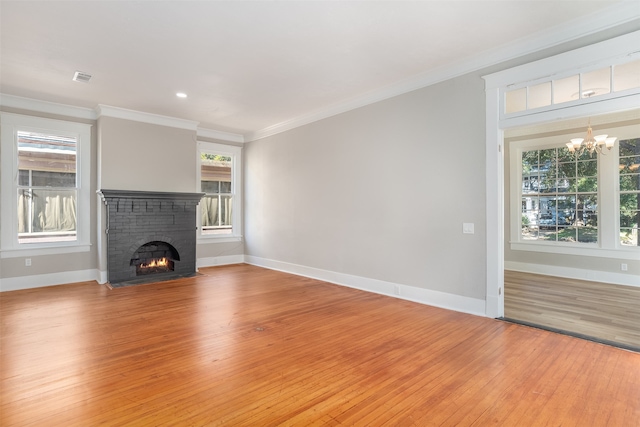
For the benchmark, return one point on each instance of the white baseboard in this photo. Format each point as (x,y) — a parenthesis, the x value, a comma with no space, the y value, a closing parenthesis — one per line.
(574,273)
(220,260)
(410,293)
(51,279)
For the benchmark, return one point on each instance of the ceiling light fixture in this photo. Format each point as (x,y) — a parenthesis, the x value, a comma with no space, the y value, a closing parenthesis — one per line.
(591,143)
(181,95)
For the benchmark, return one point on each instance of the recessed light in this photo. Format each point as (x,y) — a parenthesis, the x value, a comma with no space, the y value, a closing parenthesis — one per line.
(181,95)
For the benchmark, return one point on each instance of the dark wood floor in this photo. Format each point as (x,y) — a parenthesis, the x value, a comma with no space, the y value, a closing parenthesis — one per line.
(601,311)
(244,346)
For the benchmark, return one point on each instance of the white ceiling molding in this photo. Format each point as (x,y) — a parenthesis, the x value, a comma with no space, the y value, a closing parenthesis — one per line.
(217,134)
(29,104)
(139,116)
(616,15)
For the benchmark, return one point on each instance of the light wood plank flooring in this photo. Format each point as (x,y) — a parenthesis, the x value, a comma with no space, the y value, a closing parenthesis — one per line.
(600,310)
(244,346)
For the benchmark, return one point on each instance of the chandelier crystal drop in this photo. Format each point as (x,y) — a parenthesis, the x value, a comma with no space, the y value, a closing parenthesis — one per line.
(591,143)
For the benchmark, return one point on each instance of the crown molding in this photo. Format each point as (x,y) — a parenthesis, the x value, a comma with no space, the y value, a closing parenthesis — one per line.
(217,134)
(139,116)
(19,102)
(624,12)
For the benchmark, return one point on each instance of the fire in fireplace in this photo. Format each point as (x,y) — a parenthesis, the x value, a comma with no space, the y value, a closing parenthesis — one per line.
(154,257)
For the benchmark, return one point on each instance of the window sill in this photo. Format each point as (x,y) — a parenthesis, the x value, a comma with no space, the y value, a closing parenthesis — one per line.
(630,253)
(205,240)
(44,250)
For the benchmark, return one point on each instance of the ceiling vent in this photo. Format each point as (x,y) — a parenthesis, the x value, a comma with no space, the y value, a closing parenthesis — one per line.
(79,76)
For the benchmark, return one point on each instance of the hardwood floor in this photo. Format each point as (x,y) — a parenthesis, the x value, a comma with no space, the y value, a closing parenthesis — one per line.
(600,310)
(244,346)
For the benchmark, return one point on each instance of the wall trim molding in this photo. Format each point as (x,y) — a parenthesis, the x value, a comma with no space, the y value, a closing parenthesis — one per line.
(219,260)
(410,293)
(50,279)
(218,134)
(574,273)
(139,116)
(47,107)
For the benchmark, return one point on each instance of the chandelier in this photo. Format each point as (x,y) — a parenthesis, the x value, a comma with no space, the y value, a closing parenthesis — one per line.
(591,143)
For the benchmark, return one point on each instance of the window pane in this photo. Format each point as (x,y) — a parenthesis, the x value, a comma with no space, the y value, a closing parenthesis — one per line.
(596,82)
(516,100)
(629,236)
(539,95)
(627,76)
(630,182)
(225,210)
(47,153)
(567,89)
(209,209)
(587,234)
(23,178)
(629,147)
(53,179)
(46,215)
(225,187)
(210,187)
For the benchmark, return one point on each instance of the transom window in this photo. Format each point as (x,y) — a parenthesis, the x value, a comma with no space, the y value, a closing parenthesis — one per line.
(586,85)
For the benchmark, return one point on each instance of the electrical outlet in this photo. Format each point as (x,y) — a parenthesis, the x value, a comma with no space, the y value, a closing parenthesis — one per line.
(27,262)
(623,267)
(468,228)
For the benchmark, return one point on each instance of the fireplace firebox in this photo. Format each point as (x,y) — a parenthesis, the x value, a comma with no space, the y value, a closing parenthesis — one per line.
(151,236)
(154,257)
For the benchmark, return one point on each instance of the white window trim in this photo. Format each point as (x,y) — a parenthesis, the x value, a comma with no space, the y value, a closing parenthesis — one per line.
(235,153)
(608,245)
(11,123)
(496,123)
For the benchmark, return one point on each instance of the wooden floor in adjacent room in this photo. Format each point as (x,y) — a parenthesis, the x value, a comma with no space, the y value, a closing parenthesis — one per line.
(245,346)
(602,311)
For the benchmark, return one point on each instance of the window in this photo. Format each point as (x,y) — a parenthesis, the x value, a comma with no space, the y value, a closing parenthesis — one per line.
(559,196)
(583,204)
(47,190)
(45,183)
(573,87)
(629,165)
(219,178)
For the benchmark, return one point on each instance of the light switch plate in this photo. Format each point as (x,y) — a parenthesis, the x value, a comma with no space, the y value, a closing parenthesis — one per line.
(468,228)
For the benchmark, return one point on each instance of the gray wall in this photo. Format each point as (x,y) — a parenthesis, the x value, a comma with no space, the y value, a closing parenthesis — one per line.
(146,157)
(379,192)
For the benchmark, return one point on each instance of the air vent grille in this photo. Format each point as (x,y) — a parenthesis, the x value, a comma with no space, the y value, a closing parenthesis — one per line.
(80,76)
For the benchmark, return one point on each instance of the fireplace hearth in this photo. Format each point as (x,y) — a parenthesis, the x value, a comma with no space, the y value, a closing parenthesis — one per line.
(151,236)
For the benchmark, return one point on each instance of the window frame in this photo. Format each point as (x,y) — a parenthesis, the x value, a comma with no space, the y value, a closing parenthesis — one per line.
(11,124)
(608,245)
(235,153)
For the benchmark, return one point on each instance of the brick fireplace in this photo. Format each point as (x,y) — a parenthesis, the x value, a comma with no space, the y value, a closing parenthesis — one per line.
(151,236)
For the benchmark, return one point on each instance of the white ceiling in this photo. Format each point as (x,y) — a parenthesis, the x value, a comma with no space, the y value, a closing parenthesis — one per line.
(249,66)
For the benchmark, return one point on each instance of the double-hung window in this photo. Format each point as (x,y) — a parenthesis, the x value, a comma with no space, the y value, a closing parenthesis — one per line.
(219,176)
(45,184)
